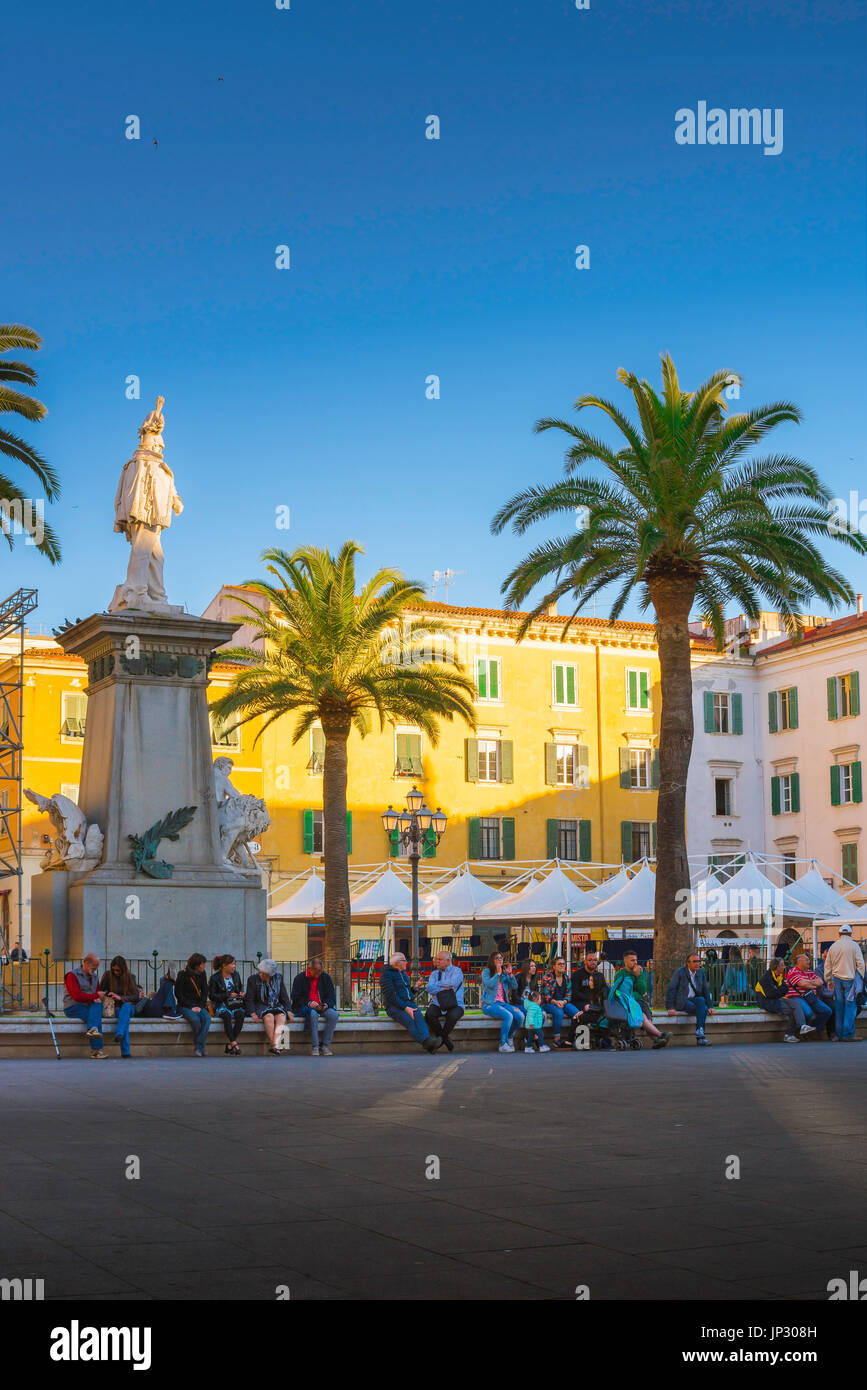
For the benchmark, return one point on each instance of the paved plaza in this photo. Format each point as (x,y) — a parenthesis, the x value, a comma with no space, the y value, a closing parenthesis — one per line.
(605,1170)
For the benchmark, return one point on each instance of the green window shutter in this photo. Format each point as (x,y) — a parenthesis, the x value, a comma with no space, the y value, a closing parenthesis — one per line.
(494,679)
(644,684)
(348,832)
(413,742)
(570,686)
(508,824)
(708,711)
(626,841)
(795,785)
(308,832)
(835,785)
(558,685)
(472,751)
(429,848)
(475,837)
(775,796)
(773,717)
(654,769)
(401,752)
(582,765)
(625,772)
(737,713)
(653,837)
(553,838)
(850,863)
(633,690)
(832,697)
(793,707)
(585,849)
(856,781)
(551,764)
(394,843)
(855,695)
(507,760)
(482,678)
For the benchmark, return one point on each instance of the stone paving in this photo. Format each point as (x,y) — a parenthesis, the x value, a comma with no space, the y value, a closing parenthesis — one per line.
(605,1170)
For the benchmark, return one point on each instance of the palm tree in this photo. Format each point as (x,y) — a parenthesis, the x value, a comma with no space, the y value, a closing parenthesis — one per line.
(327,654)
(683,514)
(15,505)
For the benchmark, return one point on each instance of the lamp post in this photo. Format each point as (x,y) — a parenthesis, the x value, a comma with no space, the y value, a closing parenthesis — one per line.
(412,826)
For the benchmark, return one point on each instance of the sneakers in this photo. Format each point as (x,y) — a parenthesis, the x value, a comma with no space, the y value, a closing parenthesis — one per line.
(807,1028)
(314,1051)
(702,1041)
(506,1047)
(172,1018)
(100,1053)
(790,1037)
(326,1052)
(661,1041)
(92,1033)
(543,1048)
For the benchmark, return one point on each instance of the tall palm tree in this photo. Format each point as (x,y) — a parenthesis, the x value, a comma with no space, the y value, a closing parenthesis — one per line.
(683,514)
(328,655)
(15,504)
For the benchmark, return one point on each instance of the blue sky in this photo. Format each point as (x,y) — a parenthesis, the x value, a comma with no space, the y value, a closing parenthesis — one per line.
(409,257)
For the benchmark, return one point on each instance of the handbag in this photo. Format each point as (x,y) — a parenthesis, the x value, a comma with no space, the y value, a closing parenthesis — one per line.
(446,999)
(108,1009)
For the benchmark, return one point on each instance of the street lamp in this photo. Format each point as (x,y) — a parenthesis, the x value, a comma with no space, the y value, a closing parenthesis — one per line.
(412,827)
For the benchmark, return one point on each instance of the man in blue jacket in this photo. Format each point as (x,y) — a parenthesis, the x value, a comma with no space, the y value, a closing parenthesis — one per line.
(399,1001)
(689,993)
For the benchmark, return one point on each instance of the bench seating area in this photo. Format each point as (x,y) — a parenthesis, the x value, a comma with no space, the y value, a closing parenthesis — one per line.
(24,1035)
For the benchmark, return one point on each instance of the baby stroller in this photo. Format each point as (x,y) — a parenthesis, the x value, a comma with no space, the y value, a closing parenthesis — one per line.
(622,1017)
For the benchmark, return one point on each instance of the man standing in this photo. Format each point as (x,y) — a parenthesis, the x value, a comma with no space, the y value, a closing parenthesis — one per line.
(399,1001)
(689,993)
(844,975)
(313,998)
(446,990)
(83,999)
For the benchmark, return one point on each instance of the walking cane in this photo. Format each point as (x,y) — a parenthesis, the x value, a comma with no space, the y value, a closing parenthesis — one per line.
(50,1016)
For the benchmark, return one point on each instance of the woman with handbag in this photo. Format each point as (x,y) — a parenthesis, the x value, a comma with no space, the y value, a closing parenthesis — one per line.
(226,994)
(191,989)
(122,993)
(445,989)
(266,998)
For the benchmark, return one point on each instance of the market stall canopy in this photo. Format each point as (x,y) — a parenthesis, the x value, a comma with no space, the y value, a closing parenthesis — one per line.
(811,885)
(545,898)
(460,900)
(385,897)
(633,903)
(749,894)
(307,905)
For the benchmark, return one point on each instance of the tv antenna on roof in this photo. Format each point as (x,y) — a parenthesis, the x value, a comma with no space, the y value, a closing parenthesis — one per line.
(445,578)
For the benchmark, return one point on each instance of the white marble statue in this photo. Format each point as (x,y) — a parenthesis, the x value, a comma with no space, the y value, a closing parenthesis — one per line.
(242,818)
(77,845)
(145,503)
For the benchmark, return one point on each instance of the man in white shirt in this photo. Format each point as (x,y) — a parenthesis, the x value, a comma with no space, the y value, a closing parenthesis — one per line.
(844,975)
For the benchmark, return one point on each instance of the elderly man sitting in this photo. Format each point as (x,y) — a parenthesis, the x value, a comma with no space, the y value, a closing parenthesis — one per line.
(313,998)
(82,998)
(446,990)
(399,1001)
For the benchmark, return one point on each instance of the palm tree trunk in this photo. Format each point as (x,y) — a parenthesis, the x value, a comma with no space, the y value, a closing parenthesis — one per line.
(672,599)
(338,924)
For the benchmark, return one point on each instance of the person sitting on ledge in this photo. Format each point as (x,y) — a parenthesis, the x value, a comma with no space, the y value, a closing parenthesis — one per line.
(191,988)
(399,1001)
(811,988)
(498,983)
(120,985)
(556,988)
(162,1003)
(83,999)
(226,993)
(589,992)
(314,997)
(266,998)
(689,993)
(776,996)
(445,989)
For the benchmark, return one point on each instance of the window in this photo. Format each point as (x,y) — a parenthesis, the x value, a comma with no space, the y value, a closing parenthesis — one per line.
(844,695)
(490,829)
(788,868)
(314,832)
(316,761)
(489,759)
(315,940)
(785,794)
(723,712)
(850,863)
(73,714)
(639,769)
(782,709)
(224,735)
(569,839)
(565,685)
(408,761)
(638,691)
(722,792)
(845,784)
(725,865)
(492,837)
(567,765)
(70,789)
(488,683)
(641,840)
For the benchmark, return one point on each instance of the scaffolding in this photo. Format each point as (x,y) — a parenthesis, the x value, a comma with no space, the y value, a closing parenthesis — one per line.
(13,614)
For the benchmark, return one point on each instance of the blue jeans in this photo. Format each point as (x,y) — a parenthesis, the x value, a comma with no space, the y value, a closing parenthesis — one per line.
(794,1011)
(558,1012)
(311,1018)
(535,1038)
(163,1001)
(821,1011)
(200,1023)
(510,1016)
(413,1023)
(844,1012)
(122,1016)
(697,1006)
(91,1014)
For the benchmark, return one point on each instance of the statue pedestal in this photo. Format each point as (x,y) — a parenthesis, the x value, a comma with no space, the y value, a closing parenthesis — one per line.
(147,752)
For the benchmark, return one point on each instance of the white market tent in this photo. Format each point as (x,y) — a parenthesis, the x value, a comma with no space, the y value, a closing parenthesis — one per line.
(634,902)
(811,885)
(546,898)
(750,894)
(306,905)
(387,896)
(460,900)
